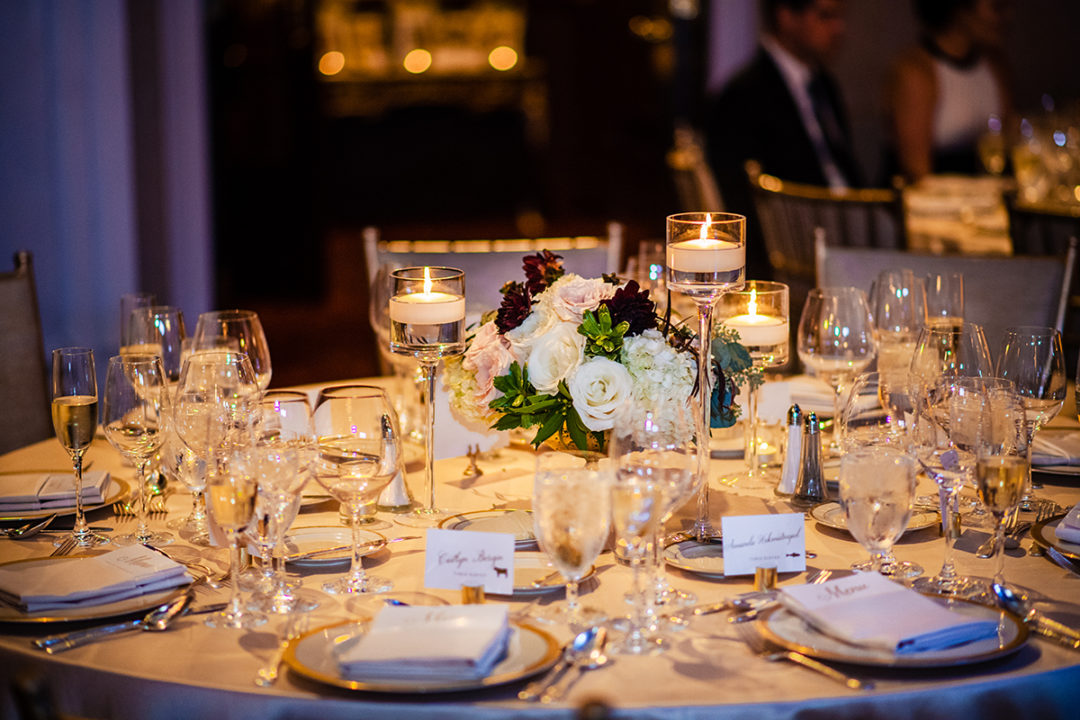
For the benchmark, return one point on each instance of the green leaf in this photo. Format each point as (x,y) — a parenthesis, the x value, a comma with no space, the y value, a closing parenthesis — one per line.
(577,429)
(549,428)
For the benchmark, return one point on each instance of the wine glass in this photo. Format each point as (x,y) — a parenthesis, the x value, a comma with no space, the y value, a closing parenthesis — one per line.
(427,322)
(158,330)
(354,427)
(571,519)
(636,502)
(181,464)
(1001,462)
(236,329)
(877,490)
(129,302)
(898,306)
(74,418)
(945,300)
(1032,357)
(759,313)
(706,257)
(836,338)
(232,488)
(136,419)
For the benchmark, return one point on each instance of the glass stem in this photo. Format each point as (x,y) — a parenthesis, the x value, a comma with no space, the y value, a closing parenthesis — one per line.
(81,529)
(198,508)
(702,527)
(658,573)
(357,577)
(949,525)
(752,431)
(428,371)
(641,599)
(999,548)
(235,611)
(142,533)
(573,609)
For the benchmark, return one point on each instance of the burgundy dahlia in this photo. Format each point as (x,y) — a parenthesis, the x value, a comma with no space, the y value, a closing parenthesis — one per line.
(541,270)
(515,307)
(631,304)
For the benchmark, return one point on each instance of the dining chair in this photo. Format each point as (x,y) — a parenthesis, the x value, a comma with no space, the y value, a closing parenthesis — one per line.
(24,390)
(488,264)
(695,182)
(999,291)
(1041,229)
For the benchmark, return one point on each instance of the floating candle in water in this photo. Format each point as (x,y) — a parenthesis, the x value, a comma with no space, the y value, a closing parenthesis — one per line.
(705,254)
(758,330)
(427,307)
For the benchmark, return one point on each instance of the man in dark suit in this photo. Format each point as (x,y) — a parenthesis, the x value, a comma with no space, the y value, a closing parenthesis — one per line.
(784,110)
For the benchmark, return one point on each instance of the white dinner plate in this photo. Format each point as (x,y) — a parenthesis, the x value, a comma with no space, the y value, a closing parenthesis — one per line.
(533,566)
(300,540)
(1044,534)
(705,559)
(115,491)
(530,651)
(142,603)
(784,628)
(831,514)
(518,523)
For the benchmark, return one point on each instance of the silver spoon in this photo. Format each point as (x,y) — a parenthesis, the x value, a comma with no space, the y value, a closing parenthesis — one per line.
(156,620)
(30,529)
(1008,599)
(578,647)
(590,659)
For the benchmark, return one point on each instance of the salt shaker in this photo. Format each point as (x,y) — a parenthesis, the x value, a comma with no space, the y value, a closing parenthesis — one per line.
(793,454)
(810,486)
(394,496)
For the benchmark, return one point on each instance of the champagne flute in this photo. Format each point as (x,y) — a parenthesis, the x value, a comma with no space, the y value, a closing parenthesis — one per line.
(571,519)
(706,257)
(232,488)
(898,306)
(427,322)
(877,490)
(1032,357)
(1001,463)
(74,417)
(836,339)
(136,421)
(236,329)
(354,427)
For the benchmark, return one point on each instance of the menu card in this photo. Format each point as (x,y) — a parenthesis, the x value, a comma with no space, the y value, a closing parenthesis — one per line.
(455,642)
(31,492)
(871,610)
(56,584)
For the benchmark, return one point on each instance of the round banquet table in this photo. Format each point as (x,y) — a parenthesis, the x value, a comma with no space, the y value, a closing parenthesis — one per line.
(195,671)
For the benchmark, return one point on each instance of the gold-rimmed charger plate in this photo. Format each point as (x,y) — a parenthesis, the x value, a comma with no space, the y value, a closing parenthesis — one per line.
(1044,534)
(701,558)
(530,651)
(785,629)
(518,523)
(534,566)
(130,606)
(116,491)
(831,514)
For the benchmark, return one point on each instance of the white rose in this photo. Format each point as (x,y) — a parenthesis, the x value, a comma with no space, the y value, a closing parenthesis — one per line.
(571,295)
(524,336)
(555,355)
(599,388)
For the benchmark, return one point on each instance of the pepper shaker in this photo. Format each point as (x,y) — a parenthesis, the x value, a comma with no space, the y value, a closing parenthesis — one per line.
(810,486)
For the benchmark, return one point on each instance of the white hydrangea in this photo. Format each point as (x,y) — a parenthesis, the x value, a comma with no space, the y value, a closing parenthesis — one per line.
(659,373)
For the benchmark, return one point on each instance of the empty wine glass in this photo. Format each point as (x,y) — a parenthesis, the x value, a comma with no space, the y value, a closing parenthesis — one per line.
(354,427)
(836,337)
(129,302)
(877,489)
(236,330)
(136,418)
(898,306)
(158,330)
(75,417)
(571,519)
(232,488)
(945,300)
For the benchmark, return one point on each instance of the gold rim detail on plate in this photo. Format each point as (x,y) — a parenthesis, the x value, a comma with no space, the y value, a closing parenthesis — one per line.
(550,654)
(123,489)
(864,656)
(454,521)
(920,519)
(120,608)
(672,559)
(1043,534)
(342,555)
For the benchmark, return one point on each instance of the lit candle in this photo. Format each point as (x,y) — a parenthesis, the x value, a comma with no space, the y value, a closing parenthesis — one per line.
(705,254)
(758,330)
(428,307)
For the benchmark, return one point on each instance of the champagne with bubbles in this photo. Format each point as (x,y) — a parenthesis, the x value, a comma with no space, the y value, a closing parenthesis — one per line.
(1000,481)
(75,420)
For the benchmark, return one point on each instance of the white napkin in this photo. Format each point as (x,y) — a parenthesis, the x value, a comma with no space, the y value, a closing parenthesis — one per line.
(868,609)
(1068,529)
(455,642)
(809,393)
(117,575)
(30,492)
(1056,447)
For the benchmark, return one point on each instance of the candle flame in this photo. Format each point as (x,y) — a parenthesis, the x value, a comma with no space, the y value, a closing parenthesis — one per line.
(427,279)
(751,307)
(705,227)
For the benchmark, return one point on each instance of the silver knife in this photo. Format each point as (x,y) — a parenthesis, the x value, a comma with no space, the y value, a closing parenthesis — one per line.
(1062,561)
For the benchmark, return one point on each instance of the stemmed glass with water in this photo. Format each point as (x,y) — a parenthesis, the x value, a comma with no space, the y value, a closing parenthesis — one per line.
(74,417)
(877,490)
(239,330)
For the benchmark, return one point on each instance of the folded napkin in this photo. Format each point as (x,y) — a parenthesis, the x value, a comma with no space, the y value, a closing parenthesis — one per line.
(1068,530)
(30,492)
(868,609)
(76,582)
(456,642)
(1056,447)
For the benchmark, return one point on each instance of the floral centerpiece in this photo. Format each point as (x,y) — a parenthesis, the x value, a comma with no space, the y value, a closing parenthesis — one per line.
(563,353)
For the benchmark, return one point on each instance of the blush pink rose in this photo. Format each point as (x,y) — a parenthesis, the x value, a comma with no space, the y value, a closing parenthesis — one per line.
(571,295)
(487,358)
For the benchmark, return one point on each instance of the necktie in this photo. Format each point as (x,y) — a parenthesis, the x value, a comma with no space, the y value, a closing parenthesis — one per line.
(828,120)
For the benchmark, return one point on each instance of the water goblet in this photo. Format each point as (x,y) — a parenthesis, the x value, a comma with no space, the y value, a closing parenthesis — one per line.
(240,330)
(181,464)
(636,506)
(74,418)
(136,418)
(158,330)
(354,427)
(571,520)
(706,257)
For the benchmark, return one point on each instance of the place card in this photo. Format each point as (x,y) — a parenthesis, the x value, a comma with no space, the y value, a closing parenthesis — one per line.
(457,558)
(753,541)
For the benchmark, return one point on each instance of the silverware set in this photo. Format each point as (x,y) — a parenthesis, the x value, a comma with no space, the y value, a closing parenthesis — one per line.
(124,510)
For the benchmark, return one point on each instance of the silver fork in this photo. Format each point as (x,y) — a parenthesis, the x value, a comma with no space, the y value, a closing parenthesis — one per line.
(65,547)
(749,634)
(294,628)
